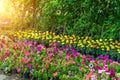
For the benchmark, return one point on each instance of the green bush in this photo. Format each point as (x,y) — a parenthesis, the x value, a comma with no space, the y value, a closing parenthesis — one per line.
(82,17)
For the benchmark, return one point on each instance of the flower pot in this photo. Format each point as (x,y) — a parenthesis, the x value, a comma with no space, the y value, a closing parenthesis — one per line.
(35,78)
(26,75)
(56,78)
(13,71)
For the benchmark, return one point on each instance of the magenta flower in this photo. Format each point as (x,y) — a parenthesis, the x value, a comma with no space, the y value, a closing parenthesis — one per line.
(56,44)
(34,42)
(67,46)
(110,60)
(29,66)
(51,55)
(68,52)
(40,47)
(7,54)
(56,50)
(106,68)
(101,57)
(106,57)
(112,72)
(116,78)
(73,56)
(67,57)
(77,54)
(83,62)
(97,67)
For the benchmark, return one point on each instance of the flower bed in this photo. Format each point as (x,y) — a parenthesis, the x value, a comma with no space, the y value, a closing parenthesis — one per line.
(85,45)
(32,60)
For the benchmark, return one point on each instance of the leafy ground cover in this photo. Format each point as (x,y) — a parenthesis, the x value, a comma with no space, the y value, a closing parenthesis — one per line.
(30,59)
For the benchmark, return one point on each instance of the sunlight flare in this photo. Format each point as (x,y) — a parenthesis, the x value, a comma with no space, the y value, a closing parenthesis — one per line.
(2,8)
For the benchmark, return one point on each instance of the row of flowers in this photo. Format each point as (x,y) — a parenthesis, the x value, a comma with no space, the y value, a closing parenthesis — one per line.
(85,45)
(55,62)
(83,42)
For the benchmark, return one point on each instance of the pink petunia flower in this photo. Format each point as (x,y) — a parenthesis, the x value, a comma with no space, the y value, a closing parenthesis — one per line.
(29,66)
(27,53)
(18,70)
(55,74)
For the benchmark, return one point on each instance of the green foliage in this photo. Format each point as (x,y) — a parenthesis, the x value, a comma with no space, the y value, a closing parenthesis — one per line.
(98,19)
(83,17)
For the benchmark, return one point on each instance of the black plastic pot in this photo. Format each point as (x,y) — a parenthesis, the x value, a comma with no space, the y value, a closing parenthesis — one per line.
(57,78)
(26,75)
(13,71)
(35,78)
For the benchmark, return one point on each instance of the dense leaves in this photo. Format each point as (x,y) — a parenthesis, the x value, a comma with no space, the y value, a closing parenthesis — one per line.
(93,18)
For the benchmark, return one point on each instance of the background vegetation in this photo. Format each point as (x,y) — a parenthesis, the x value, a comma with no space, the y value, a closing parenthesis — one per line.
(95,18)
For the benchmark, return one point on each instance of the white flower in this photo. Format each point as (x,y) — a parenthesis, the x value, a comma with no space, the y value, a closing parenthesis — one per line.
(93,77)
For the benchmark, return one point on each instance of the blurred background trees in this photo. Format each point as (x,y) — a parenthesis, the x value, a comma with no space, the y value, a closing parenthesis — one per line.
(95,18)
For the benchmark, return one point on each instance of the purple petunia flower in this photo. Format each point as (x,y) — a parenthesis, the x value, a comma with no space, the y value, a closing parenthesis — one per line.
(70,75)
(67,46)
(68,52)
(61,48)
(38,48)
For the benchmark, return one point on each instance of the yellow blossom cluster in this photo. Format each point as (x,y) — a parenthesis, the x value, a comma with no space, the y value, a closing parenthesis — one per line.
(84,42)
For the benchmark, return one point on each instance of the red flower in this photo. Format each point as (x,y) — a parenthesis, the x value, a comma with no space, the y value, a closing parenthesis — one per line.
(25,59)
(3,57)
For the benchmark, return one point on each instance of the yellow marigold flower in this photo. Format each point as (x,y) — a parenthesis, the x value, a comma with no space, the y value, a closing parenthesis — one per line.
(118,46)
(103,49)
(67,41)
(71,37)
(63,43)
(50,41)
(84,41)
(110,39)
(86,37)
(108,48)
(116,41)
(105,39)
(71,41)
(112,46)
(101,40)
(119,43)
(75,42)
(82,46)
(54,40)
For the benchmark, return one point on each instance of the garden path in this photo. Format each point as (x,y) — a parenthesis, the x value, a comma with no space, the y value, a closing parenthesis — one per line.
(4,77)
